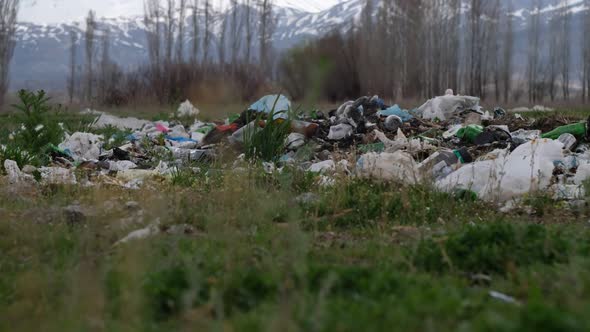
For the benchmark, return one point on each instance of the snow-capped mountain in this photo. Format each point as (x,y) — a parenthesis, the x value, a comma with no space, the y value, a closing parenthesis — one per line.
(42,53)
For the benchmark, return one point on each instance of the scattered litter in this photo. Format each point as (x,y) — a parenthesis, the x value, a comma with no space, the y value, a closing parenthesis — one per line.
(340,132)
(445,107)
(503,297)
(277,104)
(397,166)
(187,109)
(107,120)
(323,167)
(82,146)
(495,155)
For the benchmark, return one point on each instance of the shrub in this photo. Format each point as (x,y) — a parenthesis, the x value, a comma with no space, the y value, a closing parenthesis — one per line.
(40,126)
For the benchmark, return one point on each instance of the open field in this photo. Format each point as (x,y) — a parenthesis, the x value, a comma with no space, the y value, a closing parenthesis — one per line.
(245,251)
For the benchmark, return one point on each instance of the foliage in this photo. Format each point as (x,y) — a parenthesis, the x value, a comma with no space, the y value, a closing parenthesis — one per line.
(13,152)
(40,124)
(267,143)
(366,256)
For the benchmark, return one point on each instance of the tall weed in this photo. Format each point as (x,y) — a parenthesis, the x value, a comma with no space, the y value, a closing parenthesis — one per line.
(267,143)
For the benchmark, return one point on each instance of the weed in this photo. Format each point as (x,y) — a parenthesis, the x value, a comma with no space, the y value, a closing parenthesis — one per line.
(267,143)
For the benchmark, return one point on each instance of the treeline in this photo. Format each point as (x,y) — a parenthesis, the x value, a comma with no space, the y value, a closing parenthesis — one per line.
(418,48)
(400,49)
(189,48)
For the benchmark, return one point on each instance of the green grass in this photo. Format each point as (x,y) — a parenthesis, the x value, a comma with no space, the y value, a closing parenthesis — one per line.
(365,256)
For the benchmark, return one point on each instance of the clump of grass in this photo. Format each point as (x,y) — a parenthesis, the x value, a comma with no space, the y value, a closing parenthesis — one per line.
(114,136)
(491,248)
(15,153)
(267,143)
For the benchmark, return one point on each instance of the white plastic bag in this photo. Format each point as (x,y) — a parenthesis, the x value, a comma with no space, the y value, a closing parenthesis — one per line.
(529,168)
(397,166)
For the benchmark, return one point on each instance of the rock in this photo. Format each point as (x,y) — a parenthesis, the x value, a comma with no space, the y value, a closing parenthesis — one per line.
(15,176)
(132,206)
(74,214)
(57,175)
(28,169)
(124,165)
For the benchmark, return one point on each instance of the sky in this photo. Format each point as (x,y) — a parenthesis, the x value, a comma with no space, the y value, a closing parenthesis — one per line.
(58,11)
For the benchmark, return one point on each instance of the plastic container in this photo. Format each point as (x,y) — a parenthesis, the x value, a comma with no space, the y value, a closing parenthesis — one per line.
(576,129)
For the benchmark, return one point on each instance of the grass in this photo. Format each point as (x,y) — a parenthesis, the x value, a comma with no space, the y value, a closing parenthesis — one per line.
(364,256)
(361,256)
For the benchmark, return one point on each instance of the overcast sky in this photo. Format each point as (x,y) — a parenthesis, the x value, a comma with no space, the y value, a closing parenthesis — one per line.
(56,11)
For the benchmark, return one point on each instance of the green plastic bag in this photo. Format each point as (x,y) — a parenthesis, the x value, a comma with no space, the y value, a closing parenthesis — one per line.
(470,132)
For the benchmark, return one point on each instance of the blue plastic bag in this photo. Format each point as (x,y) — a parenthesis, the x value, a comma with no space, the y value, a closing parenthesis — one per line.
(396,110)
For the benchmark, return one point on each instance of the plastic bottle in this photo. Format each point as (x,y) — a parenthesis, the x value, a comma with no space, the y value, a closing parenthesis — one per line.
(576,129)
(305,128)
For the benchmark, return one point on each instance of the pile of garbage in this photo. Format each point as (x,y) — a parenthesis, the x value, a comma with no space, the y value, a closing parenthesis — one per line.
(450,142)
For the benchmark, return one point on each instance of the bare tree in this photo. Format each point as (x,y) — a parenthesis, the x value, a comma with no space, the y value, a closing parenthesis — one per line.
(72,77)
(170,27)
(586,54)
(181,25)
(152,15)
(196,33)
(554,53)
(221,45)
(366,51)
(249,34)
(266,29)
(8,15)
(507,47)
(478,46)
(235,32)
(90,49)
(565,47)
(493,48)
(534,50)
(105,63)
(208,31)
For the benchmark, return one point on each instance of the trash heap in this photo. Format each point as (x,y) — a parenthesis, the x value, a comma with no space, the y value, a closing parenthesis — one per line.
(449,142)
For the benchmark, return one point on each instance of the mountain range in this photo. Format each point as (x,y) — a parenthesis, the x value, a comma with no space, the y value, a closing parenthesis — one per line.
(42,53)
